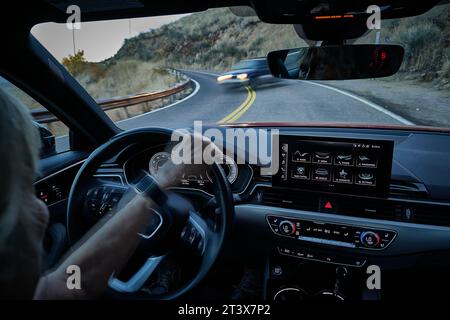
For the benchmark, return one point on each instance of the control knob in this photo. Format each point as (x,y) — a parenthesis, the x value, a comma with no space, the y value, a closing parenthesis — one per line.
(287,228)
(370,239)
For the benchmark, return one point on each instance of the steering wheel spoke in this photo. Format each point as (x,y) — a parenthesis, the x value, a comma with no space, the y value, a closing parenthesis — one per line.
(137,281)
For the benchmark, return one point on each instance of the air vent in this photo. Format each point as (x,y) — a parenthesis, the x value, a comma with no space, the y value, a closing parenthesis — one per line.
(369,208)
(289,199)
(398,209)
(431,214)
(408,189)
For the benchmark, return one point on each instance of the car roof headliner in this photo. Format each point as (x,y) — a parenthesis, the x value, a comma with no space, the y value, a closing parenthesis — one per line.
(55,10)
(39,11)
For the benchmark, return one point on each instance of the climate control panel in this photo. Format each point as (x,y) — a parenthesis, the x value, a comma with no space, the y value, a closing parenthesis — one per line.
(347,236)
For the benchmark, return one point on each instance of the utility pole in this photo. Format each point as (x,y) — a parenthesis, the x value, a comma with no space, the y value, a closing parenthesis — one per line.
(73,41)
(129,27)
(377,37)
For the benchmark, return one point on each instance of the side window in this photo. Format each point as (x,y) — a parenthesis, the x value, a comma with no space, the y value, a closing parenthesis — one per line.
(54,133)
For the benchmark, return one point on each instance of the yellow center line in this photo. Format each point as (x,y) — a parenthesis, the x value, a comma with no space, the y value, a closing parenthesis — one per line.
(239,111)
(243,110)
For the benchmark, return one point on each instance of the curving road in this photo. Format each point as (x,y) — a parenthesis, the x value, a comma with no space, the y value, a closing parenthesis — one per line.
(271,100)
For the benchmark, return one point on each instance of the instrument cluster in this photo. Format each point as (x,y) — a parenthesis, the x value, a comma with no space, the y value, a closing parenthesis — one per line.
(196,177)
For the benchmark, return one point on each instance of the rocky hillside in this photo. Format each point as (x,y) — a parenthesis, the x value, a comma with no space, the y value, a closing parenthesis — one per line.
(211,40)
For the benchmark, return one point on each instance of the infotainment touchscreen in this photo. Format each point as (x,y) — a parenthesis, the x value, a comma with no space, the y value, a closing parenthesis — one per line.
(350,166)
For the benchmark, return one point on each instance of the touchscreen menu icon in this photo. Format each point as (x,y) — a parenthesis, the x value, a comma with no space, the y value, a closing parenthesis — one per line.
(301,156)
(366,160)
(344,159)
(343,175)
(322,157)
(300,172)
(366,178)
(321,173)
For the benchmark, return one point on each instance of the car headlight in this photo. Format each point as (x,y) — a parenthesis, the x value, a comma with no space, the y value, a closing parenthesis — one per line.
(242,76)
(225,77)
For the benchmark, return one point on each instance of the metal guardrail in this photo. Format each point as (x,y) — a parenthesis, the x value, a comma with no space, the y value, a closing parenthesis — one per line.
(42,115)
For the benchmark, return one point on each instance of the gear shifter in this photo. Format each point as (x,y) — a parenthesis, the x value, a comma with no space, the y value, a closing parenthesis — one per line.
(341,274)
(335,294)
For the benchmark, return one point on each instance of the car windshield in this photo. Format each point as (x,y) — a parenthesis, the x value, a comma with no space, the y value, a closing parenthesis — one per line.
(173,70)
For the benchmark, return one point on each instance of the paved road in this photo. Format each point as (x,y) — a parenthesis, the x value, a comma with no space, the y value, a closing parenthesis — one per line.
(422,104)
(209,103)
(270,101)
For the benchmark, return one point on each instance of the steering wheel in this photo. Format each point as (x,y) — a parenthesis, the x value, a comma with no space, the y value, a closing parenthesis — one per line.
(178,222)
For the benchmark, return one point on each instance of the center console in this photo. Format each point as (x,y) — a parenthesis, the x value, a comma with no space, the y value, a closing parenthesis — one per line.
(327,168)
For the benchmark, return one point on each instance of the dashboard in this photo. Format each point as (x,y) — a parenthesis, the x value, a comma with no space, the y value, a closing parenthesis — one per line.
(391,208)
(371,183)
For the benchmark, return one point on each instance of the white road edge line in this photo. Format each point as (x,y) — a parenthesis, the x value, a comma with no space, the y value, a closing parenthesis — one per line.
(197,88)
(367,102)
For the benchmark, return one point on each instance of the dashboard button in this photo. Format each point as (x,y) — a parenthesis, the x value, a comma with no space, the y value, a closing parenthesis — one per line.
(277,271)
(387,236)
(272,220)
(327,204)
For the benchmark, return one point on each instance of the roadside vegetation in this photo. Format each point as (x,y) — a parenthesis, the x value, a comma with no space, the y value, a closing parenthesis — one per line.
(120,77)
(211,40)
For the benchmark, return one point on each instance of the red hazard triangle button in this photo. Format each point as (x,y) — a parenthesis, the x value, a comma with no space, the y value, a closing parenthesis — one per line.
(328,205)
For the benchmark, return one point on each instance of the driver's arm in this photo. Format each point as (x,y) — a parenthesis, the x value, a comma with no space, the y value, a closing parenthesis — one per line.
(103,253)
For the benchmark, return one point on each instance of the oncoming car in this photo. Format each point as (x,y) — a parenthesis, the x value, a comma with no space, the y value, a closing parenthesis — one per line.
(245,72)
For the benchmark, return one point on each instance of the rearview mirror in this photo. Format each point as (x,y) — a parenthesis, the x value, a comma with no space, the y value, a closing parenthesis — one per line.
(336,62)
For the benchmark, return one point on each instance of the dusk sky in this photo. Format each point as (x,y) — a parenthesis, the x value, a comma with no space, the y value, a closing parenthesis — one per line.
(99,40)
